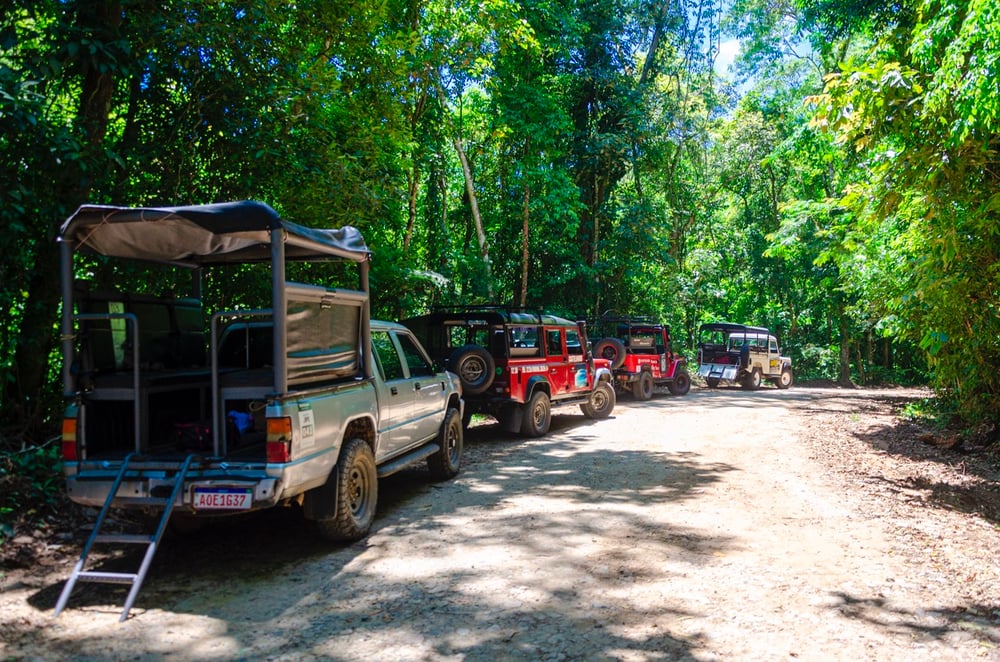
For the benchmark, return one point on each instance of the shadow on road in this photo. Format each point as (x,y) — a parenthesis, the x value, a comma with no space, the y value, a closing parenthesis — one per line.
(929,623)
(274,561)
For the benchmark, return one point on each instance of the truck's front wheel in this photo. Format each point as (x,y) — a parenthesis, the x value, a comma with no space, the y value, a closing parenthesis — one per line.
(786,378)
(601,403)
(356,485)
(447,462)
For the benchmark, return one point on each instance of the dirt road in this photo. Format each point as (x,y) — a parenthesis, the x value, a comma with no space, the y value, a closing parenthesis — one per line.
(776,525)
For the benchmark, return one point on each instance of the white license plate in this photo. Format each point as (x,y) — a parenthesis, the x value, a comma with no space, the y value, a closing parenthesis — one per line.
(222,498)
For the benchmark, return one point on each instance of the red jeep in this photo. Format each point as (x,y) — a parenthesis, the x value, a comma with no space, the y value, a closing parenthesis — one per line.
(515,365)
(640,355)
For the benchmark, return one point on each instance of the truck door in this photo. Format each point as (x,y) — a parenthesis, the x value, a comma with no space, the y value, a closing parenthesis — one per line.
(773,356)
(395,397)
(579,378)
(428,390)
(560,370)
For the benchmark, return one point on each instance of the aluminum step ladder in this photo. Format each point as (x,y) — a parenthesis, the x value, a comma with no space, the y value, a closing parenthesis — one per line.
(717,370)
(151,541)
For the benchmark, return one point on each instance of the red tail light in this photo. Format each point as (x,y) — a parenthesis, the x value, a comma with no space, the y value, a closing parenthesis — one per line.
(69,439)
(279,440)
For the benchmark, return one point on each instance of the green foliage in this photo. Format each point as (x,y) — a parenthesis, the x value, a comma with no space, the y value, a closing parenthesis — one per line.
(30,481)
(816,362)
(937,413)
(612,168)
(924,130)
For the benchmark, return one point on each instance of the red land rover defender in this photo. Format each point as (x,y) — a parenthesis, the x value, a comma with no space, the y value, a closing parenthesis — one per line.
(515,365)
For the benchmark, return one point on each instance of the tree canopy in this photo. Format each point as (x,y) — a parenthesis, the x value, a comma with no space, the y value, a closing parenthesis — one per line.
(838,186)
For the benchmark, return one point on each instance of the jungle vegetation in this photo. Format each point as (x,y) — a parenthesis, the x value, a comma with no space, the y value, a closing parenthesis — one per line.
(837,184)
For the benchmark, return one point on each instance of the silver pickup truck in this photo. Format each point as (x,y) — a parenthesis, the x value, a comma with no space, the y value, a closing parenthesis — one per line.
(248,390)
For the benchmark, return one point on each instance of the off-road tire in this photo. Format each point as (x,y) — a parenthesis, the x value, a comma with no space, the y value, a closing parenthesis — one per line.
(537,415)
(785,380)
(642,388)
(474,367)
(681,383)
(601,403)
(356,484)
(753,381)
(611,349)
(447,462)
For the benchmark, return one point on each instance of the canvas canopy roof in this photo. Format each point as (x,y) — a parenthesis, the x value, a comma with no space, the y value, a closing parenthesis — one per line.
(492,315)
(204,235)
(729,329)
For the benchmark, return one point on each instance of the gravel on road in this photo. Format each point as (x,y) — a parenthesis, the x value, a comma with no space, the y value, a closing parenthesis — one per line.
(806,524)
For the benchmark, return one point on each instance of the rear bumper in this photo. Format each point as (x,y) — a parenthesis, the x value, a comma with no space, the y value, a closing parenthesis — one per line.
(90,487)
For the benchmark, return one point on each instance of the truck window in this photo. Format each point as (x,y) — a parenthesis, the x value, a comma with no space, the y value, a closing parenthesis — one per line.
(388,358)
(523,336)
(456,336)
(553,342)
(322,340)
(415,361)
(573,345)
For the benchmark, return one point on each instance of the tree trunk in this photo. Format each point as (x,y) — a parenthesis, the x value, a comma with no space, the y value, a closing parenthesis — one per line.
(845,354)
(862,376)
(443,188)
(524,246)
(636,175)
(412,179)
(470,190)
(99,21)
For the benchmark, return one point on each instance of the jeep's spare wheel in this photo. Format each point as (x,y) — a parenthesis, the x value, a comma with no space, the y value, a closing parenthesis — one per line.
(611,349)
(474,367)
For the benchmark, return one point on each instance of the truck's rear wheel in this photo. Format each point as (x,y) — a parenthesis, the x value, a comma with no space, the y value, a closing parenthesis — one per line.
(601,403)
(642,388)
(681,384)
(447,462)
(537,415)
(753,381)
(356,485)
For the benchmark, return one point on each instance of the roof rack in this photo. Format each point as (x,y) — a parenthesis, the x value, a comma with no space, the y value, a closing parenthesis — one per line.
(504,314)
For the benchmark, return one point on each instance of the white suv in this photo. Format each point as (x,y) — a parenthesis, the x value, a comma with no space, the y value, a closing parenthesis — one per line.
(747,355)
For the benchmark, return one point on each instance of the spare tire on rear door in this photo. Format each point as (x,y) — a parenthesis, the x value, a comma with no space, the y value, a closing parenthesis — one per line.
(611,349)
(474,367)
